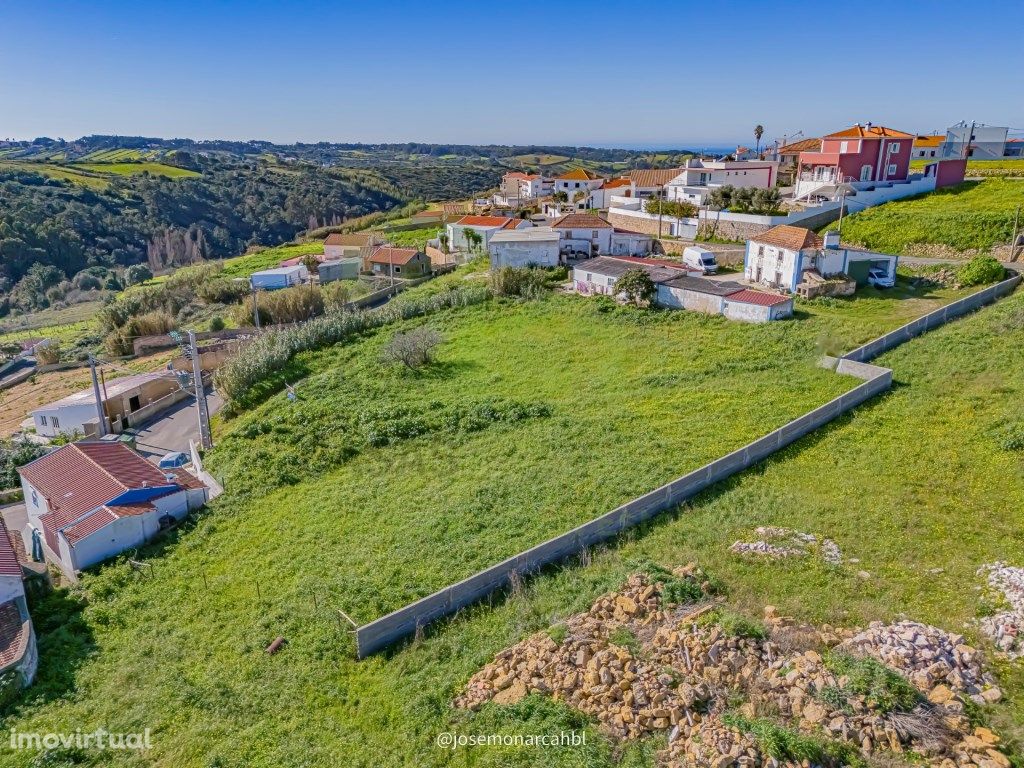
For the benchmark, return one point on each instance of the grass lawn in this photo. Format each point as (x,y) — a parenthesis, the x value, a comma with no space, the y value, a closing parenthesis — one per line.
(635,400)
(58,171)
(63,324)
(972,215)
(411,238)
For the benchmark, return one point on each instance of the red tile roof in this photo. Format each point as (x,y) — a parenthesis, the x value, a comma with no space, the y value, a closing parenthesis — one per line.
(355,238)
(388,255)
(12,629)
(79,477)
(521,175)
(869,132)
(653,177)
(615,183)
(789,237)
(578,174)
(512,224)
(9,565)
(804,145)
(652,262)
(761,298)
(581,221)
(89,525)
(482,221)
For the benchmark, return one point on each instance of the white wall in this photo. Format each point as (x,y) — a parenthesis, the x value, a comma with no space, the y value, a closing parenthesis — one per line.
(11,588)
(69,417)
(581,239)
(522,254)
(589,282)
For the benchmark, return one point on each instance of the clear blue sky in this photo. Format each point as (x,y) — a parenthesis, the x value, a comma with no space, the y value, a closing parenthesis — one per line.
(613,73)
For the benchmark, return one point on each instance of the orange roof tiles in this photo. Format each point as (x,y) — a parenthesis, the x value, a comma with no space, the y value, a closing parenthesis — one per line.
(804,145)
(482,221)
(869,132)
(581,221)
(789,237)
(388,255)
(929,141)
(578,174)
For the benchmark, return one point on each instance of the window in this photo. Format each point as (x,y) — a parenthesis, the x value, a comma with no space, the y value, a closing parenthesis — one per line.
(42,420)
(760,250)
(590,277)
(892,169)
(933,153)
(593,234)
(56,424)
(576,185)
(397,270)
(35,498)
(894,148)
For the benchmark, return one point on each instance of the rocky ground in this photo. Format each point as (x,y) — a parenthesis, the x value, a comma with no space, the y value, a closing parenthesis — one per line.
(1006,589)
(730,692)
(785,542)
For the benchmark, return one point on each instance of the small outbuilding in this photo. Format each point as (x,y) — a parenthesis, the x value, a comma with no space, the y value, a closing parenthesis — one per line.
(339,269)
(279,277)
(536,246)
(406,263)
(757,306)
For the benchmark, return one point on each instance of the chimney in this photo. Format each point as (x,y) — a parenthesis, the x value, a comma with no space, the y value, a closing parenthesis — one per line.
(831,239)
(145,483)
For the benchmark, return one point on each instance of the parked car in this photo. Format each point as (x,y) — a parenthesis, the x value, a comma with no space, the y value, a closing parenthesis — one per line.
(700,259)
(879,278)
(174,460)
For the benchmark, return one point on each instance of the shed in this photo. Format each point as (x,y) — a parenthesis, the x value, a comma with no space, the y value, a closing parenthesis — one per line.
(757,306)
(339,269)
(696,294)
(279,277)
(524,247)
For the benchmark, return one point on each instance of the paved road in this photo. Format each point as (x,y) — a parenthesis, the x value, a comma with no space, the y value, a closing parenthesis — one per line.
(172,430)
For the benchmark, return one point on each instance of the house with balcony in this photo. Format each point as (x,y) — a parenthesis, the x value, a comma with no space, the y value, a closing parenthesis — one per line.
(518,188)
(696,180)
(862,153)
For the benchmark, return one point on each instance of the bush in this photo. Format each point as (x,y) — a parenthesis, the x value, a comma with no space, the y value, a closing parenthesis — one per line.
(733,624)
(120,341)
(980,270)
(413,349)
(528,283)
(637,286)
(288,305)
(14,454)
(137,273)
(216,323)
(783,744)
(222,290)
(881,687)
(48,355)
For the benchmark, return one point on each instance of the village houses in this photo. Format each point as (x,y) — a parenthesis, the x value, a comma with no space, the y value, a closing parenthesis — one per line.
(483,226)
(405,263)
(861,153)
(18,653)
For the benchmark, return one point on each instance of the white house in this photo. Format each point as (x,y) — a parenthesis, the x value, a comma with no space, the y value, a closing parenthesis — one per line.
(984,142)
(279,277)
(17,638)
(577,185)
(601,196)
(781,256)
(484,226)
(583,234)
(698,177)
(626,243)
(339,246)
(89,501)
(721,297)
(598,276)
(651,182)
(536,246)
(126,401)
(518,188)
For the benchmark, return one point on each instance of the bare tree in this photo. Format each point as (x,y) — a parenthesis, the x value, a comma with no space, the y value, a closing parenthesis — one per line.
(413,349)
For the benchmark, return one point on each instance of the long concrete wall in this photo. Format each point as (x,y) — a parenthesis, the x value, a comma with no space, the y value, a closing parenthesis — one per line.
(934,319)
(404,622)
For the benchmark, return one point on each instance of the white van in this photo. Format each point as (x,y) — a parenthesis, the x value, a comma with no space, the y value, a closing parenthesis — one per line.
(700,259)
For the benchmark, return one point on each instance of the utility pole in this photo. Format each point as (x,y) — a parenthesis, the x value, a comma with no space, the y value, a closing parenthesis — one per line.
(1013,240)
(202,410)
(99,400)
(842,207)
(967,144)
(255,306)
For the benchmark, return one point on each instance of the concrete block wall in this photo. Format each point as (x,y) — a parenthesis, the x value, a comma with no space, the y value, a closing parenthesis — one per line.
(404,622)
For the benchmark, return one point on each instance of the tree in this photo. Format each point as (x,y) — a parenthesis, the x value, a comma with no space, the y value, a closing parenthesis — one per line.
(637,286)
(310,262)
(758,133)
(413,349)
(473,238)
(137,273)
(561,196)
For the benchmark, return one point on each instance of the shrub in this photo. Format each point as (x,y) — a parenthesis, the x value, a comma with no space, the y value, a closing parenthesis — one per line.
(289,305)
(222,291)
(733,624)
(412,349)
(783,744)
(48,355)
(137,273)
(216,323)
(528,283)
(637,285)
(980,270)
(120,341)
(881,687)
(14,454)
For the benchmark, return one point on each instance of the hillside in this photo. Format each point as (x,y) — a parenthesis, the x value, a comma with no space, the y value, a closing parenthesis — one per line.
(165,650)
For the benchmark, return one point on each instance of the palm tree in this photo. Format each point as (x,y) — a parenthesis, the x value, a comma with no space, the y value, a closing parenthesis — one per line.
(758,133)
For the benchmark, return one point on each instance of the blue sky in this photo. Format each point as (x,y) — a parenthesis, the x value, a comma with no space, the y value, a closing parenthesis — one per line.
(611,73)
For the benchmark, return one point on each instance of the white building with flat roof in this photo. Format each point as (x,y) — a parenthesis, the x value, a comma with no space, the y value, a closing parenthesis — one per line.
(697,178)
(534,246)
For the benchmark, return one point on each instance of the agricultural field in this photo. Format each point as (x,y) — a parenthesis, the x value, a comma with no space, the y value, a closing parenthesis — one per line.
(631,398)
(132,168)
(60,323)
(540,159)
(268,258)
(95,175)
(970,217)
(1006,167)
(411,238)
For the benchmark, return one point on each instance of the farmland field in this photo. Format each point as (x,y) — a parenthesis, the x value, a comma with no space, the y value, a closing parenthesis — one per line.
(130,168)
(1005,167)
(634,400)
(975,215)
(268,258)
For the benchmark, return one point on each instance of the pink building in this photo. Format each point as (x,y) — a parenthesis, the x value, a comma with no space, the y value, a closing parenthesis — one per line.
(863,153)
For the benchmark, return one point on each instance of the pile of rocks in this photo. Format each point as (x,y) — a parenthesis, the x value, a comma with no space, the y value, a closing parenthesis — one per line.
(938,664)
(640,665)
(1006,625)
(785,542)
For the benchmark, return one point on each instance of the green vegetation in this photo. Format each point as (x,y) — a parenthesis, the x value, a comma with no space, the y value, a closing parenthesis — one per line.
(882,688)
(636,398)
(980,270)
(786,744)
(972,215)
(130,169)
(733,624)
(411,238)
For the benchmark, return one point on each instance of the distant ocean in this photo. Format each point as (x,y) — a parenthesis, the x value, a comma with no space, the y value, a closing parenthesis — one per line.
(711,149)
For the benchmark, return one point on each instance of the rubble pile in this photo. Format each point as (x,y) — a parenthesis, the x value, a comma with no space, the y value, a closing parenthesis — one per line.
(933,660)
(1004,627)
(640,664)
(785,542)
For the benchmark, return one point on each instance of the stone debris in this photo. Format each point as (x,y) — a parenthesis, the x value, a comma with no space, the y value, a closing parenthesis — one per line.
(928,657)
(785,542)
(641,665)
(1004,627)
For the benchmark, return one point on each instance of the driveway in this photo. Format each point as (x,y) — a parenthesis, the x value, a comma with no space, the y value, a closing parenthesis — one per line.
(172,429)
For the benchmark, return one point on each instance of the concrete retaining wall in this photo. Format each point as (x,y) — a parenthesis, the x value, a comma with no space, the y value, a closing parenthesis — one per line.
(932,320)
(388,629)
(401,623)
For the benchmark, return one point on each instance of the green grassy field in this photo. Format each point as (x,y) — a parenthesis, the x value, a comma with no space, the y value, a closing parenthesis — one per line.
(915,480)
(412,238)
(132,168)
(63,324)
(268,258)
(1006,167)
(972,215)
(96,175)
